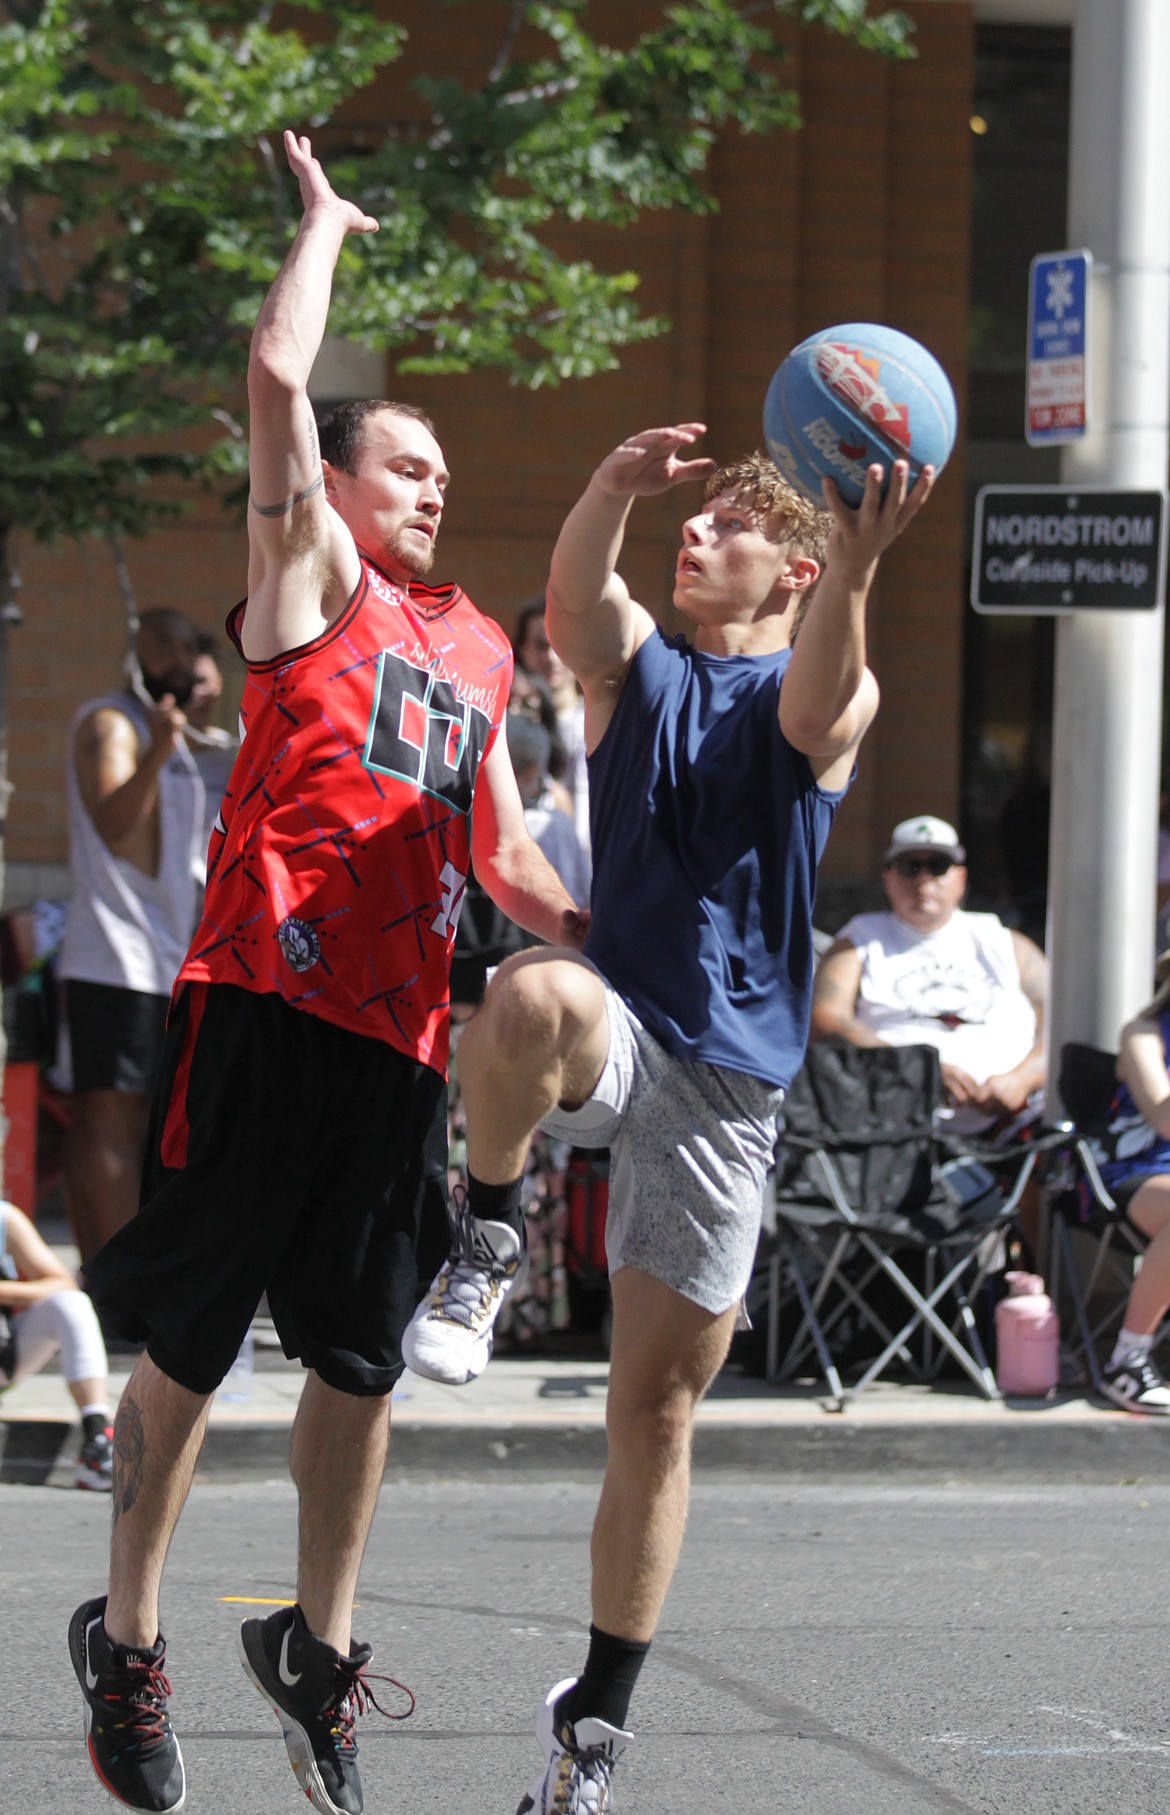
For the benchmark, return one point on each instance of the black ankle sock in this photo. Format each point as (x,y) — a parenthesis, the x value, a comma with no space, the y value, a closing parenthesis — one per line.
(607,1682)
(496,1203)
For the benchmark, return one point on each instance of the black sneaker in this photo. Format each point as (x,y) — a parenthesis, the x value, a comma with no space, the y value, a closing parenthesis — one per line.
(95,1464)
(316,1695)
(127,1729)
(1136,1384)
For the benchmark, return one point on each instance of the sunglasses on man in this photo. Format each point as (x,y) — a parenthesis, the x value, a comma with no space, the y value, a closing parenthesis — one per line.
(910,867)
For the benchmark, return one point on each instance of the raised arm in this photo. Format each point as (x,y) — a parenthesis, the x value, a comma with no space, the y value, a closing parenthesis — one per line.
(302,563)
(593,624)
(829,696)
(118,781)
(511,866)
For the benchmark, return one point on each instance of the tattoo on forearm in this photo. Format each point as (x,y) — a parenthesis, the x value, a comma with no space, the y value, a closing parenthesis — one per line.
(282,509)
(129,1456)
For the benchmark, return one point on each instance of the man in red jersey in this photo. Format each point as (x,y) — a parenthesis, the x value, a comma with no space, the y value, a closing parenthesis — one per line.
(299,1130)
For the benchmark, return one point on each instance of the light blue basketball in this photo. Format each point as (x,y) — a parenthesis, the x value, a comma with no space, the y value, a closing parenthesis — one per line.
(853,395)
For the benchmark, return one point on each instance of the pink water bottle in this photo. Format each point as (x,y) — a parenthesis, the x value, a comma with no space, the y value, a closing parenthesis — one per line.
(1027,1338)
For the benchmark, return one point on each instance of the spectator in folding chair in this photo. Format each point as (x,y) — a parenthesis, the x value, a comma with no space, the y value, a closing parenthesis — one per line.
(926,972)
(1134,1162)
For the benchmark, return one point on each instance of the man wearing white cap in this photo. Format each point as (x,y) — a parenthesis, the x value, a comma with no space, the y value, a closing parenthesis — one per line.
(928,973)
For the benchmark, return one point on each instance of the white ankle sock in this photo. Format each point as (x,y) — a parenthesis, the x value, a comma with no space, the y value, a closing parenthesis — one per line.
(1130,1343)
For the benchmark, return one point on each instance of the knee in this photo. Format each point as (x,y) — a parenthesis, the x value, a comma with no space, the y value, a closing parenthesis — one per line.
(532,1011)
(70,1306)
(652,1422)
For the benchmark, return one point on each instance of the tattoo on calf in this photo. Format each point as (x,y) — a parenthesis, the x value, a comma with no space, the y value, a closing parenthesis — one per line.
(129,1455)
(282,509)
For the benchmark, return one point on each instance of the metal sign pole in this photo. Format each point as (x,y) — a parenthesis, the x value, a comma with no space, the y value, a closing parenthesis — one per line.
(1108,714)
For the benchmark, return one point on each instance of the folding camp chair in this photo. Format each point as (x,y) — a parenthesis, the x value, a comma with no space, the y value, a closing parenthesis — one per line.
(1081,1204)
(869,1193)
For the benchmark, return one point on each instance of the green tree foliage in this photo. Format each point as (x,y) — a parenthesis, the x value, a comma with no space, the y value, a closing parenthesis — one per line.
(144,208)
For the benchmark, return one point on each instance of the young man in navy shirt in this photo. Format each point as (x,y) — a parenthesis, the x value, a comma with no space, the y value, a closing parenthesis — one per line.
(715,769)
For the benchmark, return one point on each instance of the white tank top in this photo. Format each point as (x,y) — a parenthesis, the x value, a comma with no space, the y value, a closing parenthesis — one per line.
(957,989)
(123,927)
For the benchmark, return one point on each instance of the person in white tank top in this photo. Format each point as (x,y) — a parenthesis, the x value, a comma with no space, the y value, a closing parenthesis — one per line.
(928,973)
(137,855)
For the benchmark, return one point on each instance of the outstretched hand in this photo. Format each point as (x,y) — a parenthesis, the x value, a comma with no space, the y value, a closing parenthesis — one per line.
(316,189)
(859,537)
(649,462)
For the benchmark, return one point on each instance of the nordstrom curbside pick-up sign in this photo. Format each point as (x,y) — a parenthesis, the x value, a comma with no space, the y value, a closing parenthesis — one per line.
(1049,549)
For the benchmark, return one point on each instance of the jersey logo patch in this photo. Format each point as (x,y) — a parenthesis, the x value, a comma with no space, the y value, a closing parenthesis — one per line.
(299,943)
(422,732)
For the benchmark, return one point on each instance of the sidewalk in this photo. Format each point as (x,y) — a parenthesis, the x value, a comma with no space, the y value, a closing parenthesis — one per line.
(540,1415)
(544,1415)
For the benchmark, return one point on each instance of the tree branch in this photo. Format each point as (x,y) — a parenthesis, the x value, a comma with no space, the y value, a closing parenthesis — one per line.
(508,42)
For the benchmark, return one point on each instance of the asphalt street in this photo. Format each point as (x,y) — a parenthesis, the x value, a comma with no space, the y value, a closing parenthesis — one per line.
(842,1649)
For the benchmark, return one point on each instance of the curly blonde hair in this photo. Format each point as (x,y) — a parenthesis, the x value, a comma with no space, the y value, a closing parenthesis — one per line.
(791,516)
(795,518)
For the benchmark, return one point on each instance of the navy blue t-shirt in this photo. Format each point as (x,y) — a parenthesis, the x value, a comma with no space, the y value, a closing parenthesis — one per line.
(707,829)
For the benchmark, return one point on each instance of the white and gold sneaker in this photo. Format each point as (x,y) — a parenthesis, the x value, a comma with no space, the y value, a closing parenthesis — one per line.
(450,1336)
(580,1758)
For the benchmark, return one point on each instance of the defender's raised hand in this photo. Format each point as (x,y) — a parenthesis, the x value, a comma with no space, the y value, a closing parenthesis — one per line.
(649,462)
(316,189)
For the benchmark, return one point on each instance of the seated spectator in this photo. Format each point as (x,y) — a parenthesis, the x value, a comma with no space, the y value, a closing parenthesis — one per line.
(548,824)
(1137,1148)
(926,972)
(43,1313)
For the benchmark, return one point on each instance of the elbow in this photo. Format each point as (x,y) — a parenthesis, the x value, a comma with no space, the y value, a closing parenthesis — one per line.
(823,1026)
(271,377)
(808,735)
(557,602)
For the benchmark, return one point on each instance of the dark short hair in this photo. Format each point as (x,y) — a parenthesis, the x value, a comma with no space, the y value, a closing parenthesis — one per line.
(343,431)
(206,644)
(535,608)
(164,620)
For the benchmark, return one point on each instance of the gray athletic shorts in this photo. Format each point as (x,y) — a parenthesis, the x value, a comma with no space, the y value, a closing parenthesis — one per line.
(691,1145)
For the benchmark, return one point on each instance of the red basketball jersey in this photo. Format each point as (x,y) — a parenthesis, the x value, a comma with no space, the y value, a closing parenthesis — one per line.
(338,864)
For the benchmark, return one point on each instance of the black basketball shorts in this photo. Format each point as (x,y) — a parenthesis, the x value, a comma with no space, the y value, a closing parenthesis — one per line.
(115,1036)
(287,1156)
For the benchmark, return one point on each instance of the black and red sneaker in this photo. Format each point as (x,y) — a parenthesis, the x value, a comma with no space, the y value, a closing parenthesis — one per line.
(95,1462)
(127,1728)
(316,1695)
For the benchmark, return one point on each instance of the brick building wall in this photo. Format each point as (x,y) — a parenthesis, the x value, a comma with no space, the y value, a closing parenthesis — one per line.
(863,215)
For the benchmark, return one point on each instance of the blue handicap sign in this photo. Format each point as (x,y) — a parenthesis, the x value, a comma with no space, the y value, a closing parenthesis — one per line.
(1058,307)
